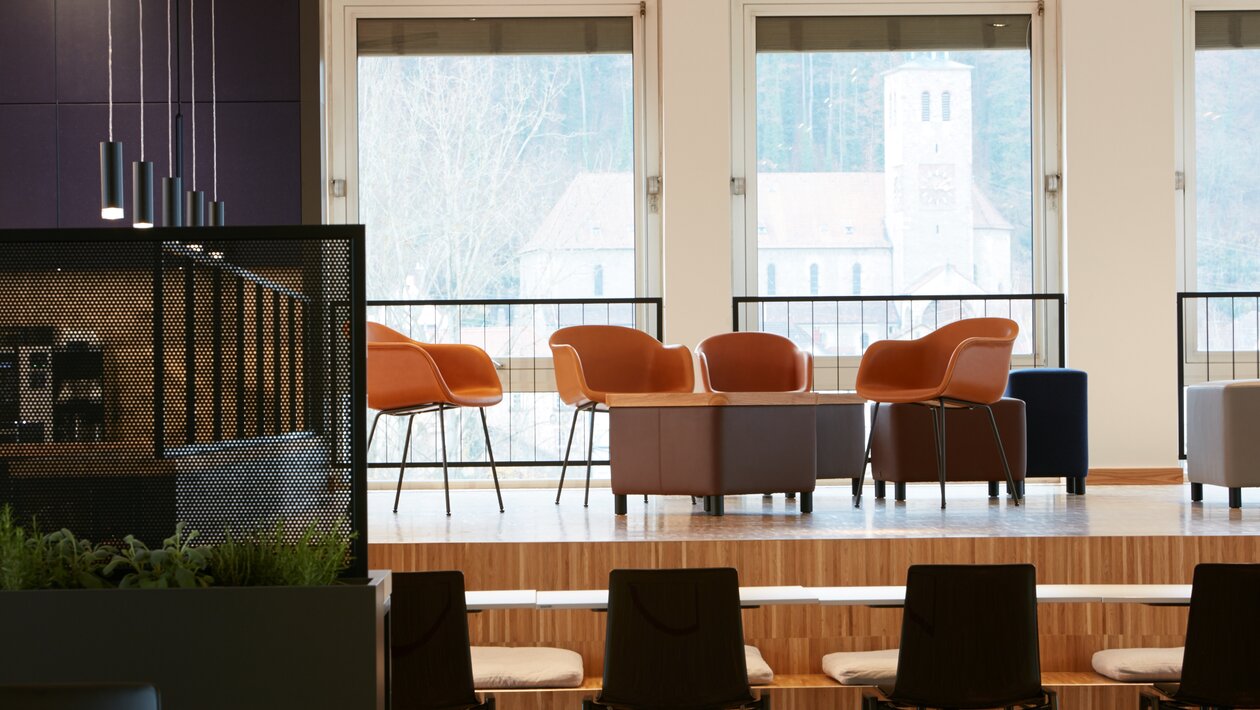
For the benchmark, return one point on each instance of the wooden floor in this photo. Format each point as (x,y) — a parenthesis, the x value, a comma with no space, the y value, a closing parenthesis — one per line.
(532,516)
(1120,534)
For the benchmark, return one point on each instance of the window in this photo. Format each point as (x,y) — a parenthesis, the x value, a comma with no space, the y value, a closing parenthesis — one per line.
(857,279)
(772,283)
(813,279)
(534,116)
(599,280)
(934,206)
(1223,240)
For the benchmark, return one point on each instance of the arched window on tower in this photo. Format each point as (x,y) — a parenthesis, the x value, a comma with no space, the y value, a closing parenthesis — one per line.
(857,279)
(772,283)
(945,110)
(925,101)
(813,279)
(599,280)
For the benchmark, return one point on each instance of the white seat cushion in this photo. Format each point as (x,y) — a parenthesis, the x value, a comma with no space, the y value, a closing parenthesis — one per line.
(759,672)
(501,667)
(862,667)
(1140,665)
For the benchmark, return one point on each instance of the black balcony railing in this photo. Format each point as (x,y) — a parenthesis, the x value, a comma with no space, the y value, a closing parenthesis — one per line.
(838,329)
(529,428)
(1218,338)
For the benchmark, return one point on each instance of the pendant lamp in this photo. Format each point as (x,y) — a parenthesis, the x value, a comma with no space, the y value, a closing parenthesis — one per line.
(218,211)
(141,170)
(173,185)
(111,150)
(195,200)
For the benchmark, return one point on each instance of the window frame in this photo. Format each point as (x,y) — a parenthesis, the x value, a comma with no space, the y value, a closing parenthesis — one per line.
(341,109)
(1186,146)
(1046,122)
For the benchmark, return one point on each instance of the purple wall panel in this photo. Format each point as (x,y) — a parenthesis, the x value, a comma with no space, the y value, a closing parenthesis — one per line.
(28,182)
(259,161)
(258,45)
(61,46)
(27,52)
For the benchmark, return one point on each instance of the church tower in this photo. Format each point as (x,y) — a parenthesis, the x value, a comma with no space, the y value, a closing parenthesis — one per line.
(927,168)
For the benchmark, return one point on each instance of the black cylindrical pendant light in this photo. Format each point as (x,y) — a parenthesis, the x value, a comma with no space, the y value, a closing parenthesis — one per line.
(141,170)
(218,210)
(111,150)
(142,194)
(218,213)
(195,208)
(111,180)
(172,202)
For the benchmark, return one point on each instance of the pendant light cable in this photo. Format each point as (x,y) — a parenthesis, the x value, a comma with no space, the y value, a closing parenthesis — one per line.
(214,106)
(109,21)
(192,54)
(140,5)
(170,120)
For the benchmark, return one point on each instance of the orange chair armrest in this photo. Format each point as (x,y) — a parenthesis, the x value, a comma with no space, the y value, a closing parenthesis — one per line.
(464,365)
(978,370)
(570,377)
(402,375)
(674,370)
(884,356)
(805,371)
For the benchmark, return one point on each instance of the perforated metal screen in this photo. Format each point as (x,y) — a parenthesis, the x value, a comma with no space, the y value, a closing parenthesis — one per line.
(212,376)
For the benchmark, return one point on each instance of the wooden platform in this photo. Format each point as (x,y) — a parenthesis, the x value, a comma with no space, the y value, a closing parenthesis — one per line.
(1071,540)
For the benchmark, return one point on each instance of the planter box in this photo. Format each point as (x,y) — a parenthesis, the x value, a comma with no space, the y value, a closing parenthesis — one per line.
(246,648)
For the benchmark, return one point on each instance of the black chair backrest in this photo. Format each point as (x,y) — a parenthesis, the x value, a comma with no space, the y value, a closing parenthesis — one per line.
(428,631)
(675,640)
(79,697)
(1224,622)
(969,637)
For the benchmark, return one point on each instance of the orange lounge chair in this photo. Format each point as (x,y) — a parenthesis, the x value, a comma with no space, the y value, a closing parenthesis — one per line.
(959,365)
(406,377)
(754,362)
(593,361)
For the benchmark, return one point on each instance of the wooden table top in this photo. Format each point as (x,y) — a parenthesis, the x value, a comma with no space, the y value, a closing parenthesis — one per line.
(732,399)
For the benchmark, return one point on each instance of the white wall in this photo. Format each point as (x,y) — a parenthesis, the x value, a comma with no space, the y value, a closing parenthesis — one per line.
(696,168)
(1120,222)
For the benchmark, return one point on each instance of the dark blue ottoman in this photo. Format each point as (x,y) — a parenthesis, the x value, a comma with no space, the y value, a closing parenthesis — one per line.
(1057,410)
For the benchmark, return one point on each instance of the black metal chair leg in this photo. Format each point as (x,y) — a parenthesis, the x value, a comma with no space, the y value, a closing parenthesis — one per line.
(494,469)
(403,468)
(938,420)
(565,466)
(371,434)
(446,479)
(645,500)
(590,454)
(866,460)
(1006,466)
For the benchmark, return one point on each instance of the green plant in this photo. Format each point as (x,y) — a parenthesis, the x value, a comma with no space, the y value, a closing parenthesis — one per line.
(176,564)
(278,557)
(57,560)
(19,567)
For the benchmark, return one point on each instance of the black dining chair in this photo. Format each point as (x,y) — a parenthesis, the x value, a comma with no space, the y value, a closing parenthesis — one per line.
(675,641)
(80,697)
(431,664)
(1217,671)
(968,640)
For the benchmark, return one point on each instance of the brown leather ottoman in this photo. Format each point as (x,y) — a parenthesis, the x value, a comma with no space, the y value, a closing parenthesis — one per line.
(903,446)
(711,445)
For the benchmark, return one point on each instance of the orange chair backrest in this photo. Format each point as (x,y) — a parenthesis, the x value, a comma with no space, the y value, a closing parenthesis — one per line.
(753,362)
(967,359)
(614,358)
(377,333)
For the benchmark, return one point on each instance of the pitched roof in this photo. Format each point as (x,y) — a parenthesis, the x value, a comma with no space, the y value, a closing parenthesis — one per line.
(596,211)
